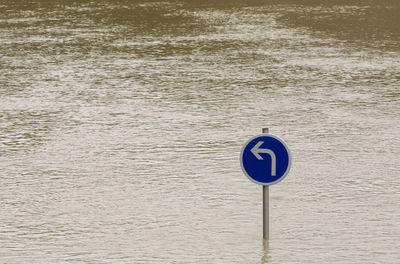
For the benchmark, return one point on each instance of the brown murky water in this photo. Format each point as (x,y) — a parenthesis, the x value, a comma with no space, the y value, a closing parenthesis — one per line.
(121,124)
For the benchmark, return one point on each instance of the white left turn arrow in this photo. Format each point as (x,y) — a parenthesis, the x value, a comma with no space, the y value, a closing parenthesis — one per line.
(256,150)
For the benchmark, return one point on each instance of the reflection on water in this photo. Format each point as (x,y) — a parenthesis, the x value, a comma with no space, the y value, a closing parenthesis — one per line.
(121,124)
(265,257)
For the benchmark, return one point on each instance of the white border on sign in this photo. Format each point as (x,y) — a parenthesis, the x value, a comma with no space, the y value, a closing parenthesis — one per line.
(289,157)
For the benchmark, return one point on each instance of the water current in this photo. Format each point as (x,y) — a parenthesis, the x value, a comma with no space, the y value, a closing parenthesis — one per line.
(121,125)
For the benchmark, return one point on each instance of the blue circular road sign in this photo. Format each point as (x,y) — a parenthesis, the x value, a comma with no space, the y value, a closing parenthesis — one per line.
(265,159)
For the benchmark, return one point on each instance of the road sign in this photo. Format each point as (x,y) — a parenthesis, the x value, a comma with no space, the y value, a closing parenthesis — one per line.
(265,159)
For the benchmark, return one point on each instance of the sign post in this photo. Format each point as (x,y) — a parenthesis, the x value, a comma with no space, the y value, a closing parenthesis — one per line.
(265,203)
(265,159)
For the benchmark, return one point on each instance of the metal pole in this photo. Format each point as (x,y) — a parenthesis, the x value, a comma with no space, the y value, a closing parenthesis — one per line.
(265,204)
(265,211)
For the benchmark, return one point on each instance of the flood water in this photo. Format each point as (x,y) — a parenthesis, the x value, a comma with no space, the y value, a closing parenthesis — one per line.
(122,122)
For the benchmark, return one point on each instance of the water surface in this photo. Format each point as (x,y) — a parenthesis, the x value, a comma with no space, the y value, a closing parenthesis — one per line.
(121,124)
